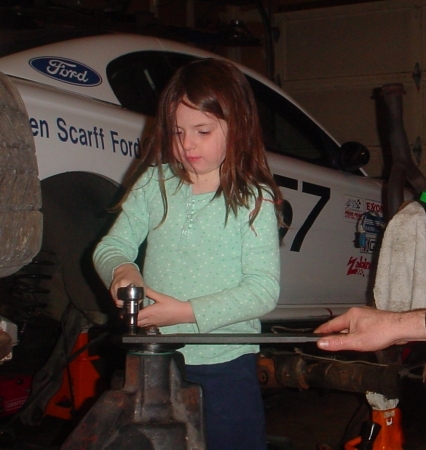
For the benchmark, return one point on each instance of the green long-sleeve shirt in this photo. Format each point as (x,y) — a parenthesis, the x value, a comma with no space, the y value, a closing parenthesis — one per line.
(229,273)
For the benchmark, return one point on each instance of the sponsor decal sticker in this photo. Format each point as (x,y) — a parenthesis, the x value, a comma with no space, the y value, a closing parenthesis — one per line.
(354,207)
(66,70)
(373,207)
(367,215)
(370,245)
(370,226)
(358,266)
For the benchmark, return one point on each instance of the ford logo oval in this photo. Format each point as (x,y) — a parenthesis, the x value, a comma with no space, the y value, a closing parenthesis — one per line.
(66,70)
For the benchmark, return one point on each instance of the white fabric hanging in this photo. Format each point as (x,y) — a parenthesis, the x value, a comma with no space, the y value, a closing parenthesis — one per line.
(401,273)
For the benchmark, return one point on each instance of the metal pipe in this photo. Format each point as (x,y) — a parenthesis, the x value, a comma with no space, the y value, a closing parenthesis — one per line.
(296,371)
(403,168)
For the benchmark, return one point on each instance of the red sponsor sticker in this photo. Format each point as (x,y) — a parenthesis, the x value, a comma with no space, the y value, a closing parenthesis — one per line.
(372,206)
(358,266)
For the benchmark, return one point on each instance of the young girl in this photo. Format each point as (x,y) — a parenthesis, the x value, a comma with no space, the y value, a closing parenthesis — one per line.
(208,206)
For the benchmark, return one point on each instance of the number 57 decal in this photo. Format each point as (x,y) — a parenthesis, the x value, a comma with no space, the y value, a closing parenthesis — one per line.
(308,188)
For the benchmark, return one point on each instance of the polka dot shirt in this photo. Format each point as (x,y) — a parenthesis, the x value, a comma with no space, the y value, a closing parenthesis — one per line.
(229,272)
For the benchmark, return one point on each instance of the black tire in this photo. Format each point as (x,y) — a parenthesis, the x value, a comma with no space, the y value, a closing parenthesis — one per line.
(20,195)
(76,216)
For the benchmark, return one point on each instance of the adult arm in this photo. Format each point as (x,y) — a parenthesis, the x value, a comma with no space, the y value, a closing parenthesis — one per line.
(369,329)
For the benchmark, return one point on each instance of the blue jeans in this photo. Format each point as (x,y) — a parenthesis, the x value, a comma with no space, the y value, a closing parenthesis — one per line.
(233,407)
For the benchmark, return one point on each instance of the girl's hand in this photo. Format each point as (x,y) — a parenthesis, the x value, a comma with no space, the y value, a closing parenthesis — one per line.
(123,276)
(165,311)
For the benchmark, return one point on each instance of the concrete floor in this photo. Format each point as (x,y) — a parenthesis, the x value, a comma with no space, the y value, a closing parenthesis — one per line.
(310,417)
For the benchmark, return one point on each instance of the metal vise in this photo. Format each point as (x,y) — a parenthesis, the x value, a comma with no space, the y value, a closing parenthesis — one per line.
(157,409)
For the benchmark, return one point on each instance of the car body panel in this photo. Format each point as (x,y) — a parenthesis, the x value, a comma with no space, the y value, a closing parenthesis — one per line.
(97,52)
(78,127)
(324,266)
(84,134)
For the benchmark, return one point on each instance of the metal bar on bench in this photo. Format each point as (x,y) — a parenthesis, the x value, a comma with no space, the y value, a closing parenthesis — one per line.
(222,338)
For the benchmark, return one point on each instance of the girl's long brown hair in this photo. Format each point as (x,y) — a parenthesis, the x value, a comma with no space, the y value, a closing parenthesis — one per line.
(219,88)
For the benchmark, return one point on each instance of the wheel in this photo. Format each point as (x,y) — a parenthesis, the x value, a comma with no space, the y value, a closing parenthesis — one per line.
(20,194)
(76,215)
(61,277)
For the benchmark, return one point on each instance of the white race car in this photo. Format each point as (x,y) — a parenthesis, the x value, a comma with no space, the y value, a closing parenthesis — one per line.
(90,102)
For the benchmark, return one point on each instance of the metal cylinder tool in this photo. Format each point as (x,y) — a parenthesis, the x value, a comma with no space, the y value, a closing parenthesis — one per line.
(132,297)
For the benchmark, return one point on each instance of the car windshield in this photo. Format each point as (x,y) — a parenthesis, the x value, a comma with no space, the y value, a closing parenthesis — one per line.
(138,79)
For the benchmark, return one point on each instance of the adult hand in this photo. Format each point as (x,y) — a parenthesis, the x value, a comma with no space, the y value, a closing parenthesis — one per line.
(369,329)
(165,311)
(124,275)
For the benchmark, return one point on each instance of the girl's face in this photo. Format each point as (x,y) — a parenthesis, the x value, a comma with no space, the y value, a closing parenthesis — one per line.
(200,144)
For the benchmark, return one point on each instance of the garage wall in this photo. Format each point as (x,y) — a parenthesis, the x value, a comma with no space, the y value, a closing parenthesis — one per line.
(334,60)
